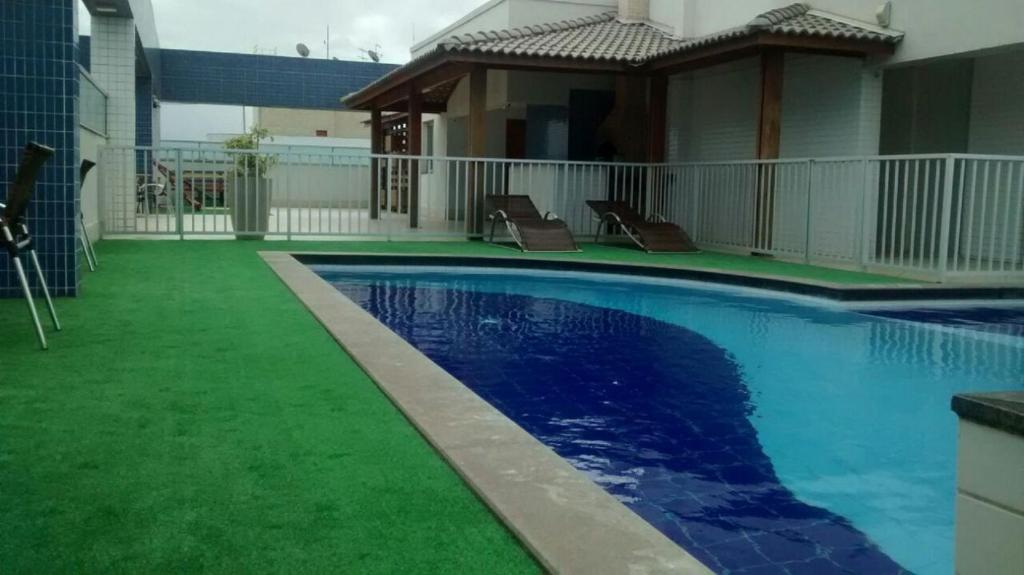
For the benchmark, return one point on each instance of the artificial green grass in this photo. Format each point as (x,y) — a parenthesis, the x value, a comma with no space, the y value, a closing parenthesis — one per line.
(193,416)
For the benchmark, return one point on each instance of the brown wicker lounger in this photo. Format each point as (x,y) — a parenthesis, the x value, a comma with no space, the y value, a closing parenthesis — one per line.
(652,236)
(530,231)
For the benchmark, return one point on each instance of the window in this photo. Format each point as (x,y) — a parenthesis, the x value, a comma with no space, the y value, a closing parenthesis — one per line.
(321,133)
(427,167)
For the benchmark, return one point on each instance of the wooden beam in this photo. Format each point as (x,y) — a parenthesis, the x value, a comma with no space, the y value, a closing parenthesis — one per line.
(477,148)
(426,107)
(703,57)
(826,45)
(545,64)
(442,73)
(376,147)
(769,137)
(478,112)
(365,99)
(769,126)
(415,136)
(658,117)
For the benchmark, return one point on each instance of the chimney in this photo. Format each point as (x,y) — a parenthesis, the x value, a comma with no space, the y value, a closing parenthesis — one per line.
(634,10)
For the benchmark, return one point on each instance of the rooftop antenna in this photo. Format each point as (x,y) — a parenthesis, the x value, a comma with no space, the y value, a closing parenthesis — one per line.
(302,49)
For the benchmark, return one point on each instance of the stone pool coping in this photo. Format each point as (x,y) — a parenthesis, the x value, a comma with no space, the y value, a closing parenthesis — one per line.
(999,410)
(568,522)
(861,292)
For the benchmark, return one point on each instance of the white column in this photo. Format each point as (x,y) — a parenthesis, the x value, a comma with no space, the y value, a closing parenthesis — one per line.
(870,112)
(113,68)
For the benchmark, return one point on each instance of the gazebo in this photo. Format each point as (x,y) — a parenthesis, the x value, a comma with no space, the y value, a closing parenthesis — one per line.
(639,55)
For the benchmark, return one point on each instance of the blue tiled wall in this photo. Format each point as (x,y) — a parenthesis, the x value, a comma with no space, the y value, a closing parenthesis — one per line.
(143,119)
(143,111)
(39,101)
(256,80)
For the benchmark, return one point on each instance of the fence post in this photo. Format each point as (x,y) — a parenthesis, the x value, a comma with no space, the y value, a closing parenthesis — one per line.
(179,194)
(947,210)
(695,208)
(807,223)
(101,190)
(865,222)
(288,196)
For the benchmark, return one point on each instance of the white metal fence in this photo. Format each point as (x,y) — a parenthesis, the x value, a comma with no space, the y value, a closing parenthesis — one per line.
(936,217)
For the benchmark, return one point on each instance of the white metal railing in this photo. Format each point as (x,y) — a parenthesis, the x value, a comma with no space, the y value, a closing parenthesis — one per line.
(935,217)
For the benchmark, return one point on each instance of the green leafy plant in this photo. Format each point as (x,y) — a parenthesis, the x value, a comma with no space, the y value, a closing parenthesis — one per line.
(254,163)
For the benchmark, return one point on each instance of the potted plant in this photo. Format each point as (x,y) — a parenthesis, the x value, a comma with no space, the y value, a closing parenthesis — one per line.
(248,188)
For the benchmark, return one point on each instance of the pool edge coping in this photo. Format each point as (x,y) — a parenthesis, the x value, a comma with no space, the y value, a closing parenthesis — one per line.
(566,521)
(865,292)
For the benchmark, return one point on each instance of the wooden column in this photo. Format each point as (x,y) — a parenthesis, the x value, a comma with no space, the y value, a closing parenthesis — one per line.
(654,180)
(658,103)
(478,113)
(415,148)
(376,147)
(769,129)
(768,141)
(477,148)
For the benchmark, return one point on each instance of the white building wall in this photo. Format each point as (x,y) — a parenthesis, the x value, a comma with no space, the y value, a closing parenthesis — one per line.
(945,27)
(933,28)
(502,14)
(89,144)
(713,113)
(113,69)
(494,15)
(529,12)
(830,107)
(996,127)
(552,89)
(997,105)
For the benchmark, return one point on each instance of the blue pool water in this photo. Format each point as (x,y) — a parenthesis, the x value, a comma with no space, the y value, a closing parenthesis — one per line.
(764,434)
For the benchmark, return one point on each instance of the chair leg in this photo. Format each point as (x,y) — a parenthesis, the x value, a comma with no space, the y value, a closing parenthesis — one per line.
(597,236)
(90,256)
(31,303)
(46,291)
(92,250)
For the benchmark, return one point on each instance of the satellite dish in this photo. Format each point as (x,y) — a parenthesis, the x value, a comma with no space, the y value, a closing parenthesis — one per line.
(372,54)
(302,49)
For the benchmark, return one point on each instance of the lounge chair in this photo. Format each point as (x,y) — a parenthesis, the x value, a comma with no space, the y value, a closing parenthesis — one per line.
(653,236)
(531,231)
(14,234)
(90,253)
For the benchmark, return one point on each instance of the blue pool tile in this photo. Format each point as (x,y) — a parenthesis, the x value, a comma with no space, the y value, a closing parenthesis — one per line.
(667,433)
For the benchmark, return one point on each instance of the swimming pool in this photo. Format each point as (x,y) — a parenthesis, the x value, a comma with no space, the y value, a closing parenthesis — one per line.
(762,433)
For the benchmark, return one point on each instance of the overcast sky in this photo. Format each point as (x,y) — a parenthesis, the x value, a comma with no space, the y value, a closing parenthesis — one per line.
(278,25)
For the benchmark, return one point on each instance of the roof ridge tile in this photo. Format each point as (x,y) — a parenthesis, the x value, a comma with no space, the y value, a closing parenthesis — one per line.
(778,16)
(459,40)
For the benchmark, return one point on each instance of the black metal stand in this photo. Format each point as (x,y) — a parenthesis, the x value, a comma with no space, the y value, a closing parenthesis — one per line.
(90,252)
(15,236)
